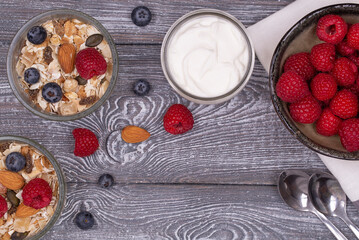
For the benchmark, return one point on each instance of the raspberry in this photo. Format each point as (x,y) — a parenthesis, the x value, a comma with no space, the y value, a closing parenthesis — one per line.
(307,110)
(355,57)
(331,29)
(86,142)
(89,63)
(178,119)
(344,104)
(345,72)
(349,134)
(323,86)
(300,63)
(344,49)
(322,56)
(355,87)
(37,193)
(328,123)
(291,87)
(3,206)
(353,36)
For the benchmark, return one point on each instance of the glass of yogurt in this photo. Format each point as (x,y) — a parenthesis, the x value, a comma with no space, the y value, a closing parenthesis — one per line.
(207,56)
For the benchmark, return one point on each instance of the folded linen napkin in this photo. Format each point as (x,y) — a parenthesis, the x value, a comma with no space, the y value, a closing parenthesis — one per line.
(345,171)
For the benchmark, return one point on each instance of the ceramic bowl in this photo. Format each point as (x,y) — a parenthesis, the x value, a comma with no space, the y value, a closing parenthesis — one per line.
(301,38)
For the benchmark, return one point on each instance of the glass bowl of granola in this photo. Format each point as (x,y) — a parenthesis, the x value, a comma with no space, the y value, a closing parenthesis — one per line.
(32,189)
(62,65)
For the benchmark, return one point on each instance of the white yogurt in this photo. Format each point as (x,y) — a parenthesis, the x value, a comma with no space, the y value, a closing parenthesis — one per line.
(207,56)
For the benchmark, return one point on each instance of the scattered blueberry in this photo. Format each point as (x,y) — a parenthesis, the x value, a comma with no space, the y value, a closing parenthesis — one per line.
(84,220)
(141,87)
(31,75)
(36,35)
(15,161)
(52,92)
(105,180)
(141,16)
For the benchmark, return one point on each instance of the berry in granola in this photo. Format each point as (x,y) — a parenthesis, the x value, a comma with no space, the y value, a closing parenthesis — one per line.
(86,142)
(141,87)
(94,40)
(90,62)
(322,56)
(331,29)
(3,206)
(36,35)
(15,162)
(141,16)
(84,220)
(105,180)
(353,36)
(31,75)
(37,193)
(300,63)
(52,92)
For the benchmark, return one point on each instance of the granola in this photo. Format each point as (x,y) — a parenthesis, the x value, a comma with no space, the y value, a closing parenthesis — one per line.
(78,94)
(37,166)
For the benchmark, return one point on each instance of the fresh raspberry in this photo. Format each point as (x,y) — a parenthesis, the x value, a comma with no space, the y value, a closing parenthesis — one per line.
(344,49)
(300,63)
(349,134)
(323,86)
(3,206)
(331,29)
(291,87)
(37,193)
(355,87)
(353,36)
(322,56)
(89,63)
(344,104)
(307,110)
(355,57)
(178,119)
(345,72)
(328,123)
(86,142)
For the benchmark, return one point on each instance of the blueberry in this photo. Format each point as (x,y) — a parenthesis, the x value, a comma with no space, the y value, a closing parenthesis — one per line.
(31,75)
(141,87)
(84,220)
(141,16)
(15,161)
(105,180)
(52,92)
(36,35)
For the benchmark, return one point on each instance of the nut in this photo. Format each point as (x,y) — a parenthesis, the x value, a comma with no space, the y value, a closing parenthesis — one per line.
(11,180)
(133,134)
(66,57)
(25,211)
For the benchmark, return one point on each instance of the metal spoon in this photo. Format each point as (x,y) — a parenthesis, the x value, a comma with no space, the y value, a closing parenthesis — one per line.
(293,188)
(329,198)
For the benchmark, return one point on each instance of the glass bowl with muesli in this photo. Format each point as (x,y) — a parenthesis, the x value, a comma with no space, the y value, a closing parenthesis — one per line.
(62,65)
(32,189)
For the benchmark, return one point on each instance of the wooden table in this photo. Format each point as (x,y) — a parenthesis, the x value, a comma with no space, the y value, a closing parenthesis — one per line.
(218,181)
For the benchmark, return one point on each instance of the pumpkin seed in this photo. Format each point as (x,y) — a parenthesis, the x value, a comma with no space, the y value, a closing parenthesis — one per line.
(81,80)
(11,195)
(94,40)
(19,235)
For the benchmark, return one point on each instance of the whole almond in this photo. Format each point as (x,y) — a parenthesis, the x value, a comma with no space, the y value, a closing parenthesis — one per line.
(25,211)
(11,180)
(133,134)
(66,57)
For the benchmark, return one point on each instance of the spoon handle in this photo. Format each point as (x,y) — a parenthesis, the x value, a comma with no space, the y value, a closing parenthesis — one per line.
(351,225)
(336,232)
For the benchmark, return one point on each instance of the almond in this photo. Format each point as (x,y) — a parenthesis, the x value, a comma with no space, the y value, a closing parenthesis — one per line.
(66,57)
(11,180)
(133,134)
(25,211)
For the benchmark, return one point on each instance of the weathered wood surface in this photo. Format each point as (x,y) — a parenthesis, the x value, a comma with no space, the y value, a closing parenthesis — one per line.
(164,186)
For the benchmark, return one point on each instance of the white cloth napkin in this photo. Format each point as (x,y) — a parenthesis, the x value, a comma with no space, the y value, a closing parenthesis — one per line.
(265,36)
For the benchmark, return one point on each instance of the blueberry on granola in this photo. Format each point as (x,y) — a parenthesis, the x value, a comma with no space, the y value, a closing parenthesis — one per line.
(105,180)
(31,75)
(52,92)
(141,16)
(15,161)
(84,220)
(36,35)
(141,87)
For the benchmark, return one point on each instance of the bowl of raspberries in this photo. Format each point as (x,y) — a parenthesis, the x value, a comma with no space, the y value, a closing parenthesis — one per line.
(314,81)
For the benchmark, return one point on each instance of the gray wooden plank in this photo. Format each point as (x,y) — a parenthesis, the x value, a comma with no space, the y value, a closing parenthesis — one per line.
(150,211)
(240,141)
(115,15)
